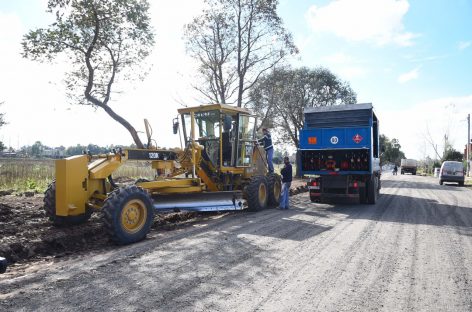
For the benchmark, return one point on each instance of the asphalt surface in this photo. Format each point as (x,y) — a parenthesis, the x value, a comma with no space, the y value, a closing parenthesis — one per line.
(412,251)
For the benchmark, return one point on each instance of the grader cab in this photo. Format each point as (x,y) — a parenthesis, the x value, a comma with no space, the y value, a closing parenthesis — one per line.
(221,168)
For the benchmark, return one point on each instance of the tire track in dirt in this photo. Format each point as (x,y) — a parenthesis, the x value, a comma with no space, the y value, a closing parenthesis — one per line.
(337,234)
(451,214)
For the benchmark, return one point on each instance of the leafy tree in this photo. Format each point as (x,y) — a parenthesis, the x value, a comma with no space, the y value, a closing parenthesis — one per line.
(278,157)
(76,150)
(103,39)
(280,97)
(452,154)
(95,149)
(235,42)
(390,151)
(2,118)
(37,149)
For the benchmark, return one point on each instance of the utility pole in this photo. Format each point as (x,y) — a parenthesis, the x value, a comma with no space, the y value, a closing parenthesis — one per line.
(467,147)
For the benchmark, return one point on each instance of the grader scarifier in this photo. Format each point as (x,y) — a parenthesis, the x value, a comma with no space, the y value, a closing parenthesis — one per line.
(221,168)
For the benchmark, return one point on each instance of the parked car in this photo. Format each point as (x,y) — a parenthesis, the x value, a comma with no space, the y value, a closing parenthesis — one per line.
(452,171)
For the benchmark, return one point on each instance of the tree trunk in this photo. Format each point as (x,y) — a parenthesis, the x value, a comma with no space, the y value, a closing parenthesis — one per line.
(126,124)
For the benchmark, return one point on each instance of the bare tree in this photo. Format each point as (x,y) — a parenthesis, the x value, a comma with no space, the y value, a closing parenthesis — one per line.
(236,41)
(2,123)
(209,40)
(103,39)
(446,145)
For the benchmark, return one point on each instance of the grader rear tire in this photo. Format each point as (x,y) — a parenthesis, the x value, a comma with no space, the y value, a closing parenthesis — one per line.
(257,193)
(50,209)
(275,188)
(128,213)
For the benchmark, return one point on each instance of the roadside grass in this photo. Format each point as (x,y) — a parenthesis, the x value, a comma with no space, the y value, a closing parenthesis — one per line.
(21,174)
(34,175)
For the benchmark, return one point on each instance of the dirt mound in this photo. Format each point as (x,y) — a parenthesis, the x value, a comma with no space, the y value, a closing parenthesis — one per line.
(27,235)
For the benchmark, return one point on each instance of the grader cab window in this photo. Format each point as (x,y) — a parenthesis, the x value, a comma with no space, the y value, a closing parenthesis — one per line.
(207,132)
(237,136)
(246,137)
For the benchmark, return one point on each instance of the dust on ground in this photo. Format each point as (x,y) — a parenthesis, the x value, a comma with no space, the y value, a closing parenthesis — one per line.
(26,234)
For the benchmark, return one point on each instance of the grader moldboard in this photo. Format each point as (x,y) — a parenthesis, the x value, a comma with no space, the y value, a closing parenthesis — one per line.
(220,167)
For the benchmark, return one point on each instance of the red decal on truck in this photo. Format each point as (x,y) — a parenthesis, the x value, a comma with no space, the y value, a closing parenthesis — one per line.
(357,138)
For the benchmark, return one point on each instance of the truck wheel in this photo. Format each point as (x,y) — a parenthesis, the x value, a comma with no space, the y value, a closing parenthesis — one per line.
(257,193)
(363,195)
(128,213)
(50,209)
(461,183)
(414,172)
(372,190)
(440,182)
(275,187)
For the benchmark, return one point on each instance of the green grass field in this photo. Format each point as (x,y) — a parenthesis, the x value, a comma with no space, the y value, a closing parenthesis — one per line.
(35,174)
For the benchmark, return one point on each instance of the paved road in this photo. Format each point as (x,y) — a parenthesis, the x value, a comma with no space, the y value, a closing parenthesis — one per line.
(410,252)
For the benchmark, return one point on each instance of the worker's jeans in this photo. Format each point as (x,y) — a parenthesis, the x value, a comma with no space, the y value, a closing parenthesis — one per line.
(284,195)
(270,155)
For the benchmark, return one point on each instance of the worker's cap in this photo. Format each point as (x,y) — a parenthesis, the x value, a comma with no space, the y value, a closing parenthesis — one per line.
(286,158)
(264,129)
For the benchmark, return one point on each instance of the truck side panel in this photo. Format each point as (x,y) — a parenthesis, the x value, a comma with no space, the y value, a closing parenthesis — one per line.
(336,138)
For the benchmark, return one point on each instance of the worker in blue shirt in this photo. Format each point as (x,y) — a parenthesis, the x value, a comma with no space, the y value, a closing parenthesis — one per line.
(286,173)
(267,142)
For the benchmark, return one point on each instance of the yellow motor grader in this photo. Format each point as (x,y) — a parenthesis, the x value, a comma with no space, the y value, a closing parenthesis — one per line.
(221,168)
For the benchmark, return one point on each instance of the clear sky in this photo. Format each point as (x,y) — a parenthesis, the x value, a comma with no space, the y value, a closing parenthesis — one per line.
(411,59)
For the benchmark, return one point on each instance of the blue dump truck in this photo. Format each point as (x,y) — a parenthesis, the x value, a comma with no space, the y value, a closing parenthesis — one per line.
(339,146)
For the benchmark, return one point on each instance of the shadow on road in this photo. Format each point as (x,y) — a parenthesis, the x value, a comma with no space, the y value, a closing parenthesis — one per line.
(403,209)
(420,185)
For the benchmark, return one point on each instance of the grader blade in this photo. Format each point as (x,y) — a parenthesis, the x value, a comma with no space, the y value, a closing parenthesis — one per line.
(214,201)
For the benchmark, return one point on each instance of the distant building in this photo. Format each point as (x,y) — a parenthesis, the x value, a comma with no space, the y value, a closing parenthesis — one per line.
(8,154)
(53,153)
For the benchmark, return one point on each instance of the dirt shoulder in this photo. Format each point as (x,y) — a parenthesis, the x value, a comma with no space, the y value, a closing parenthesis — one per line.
(27,236)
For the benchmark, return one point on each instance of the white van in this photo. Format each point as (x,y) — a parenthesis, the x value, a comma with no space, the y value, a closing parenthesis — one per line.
(452,171)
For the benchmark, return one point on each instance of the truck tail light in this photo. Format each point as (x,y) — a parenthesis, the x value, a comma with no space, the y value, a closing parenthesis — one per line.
(355,184)
(314,183)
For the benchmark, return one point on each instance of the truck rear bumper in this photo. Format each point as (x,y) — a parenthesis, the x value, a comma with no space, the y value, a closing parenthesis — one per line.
(328,197)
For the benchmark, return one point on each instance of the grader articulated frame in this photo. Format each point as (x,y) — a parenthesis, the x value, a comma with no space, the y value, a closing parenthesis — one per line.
(220,168)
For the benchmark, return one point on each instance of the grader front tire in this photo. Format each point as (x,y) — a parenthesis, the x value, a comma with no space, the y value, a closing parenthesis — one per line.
(128,214)
(257,193)
(50,209)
